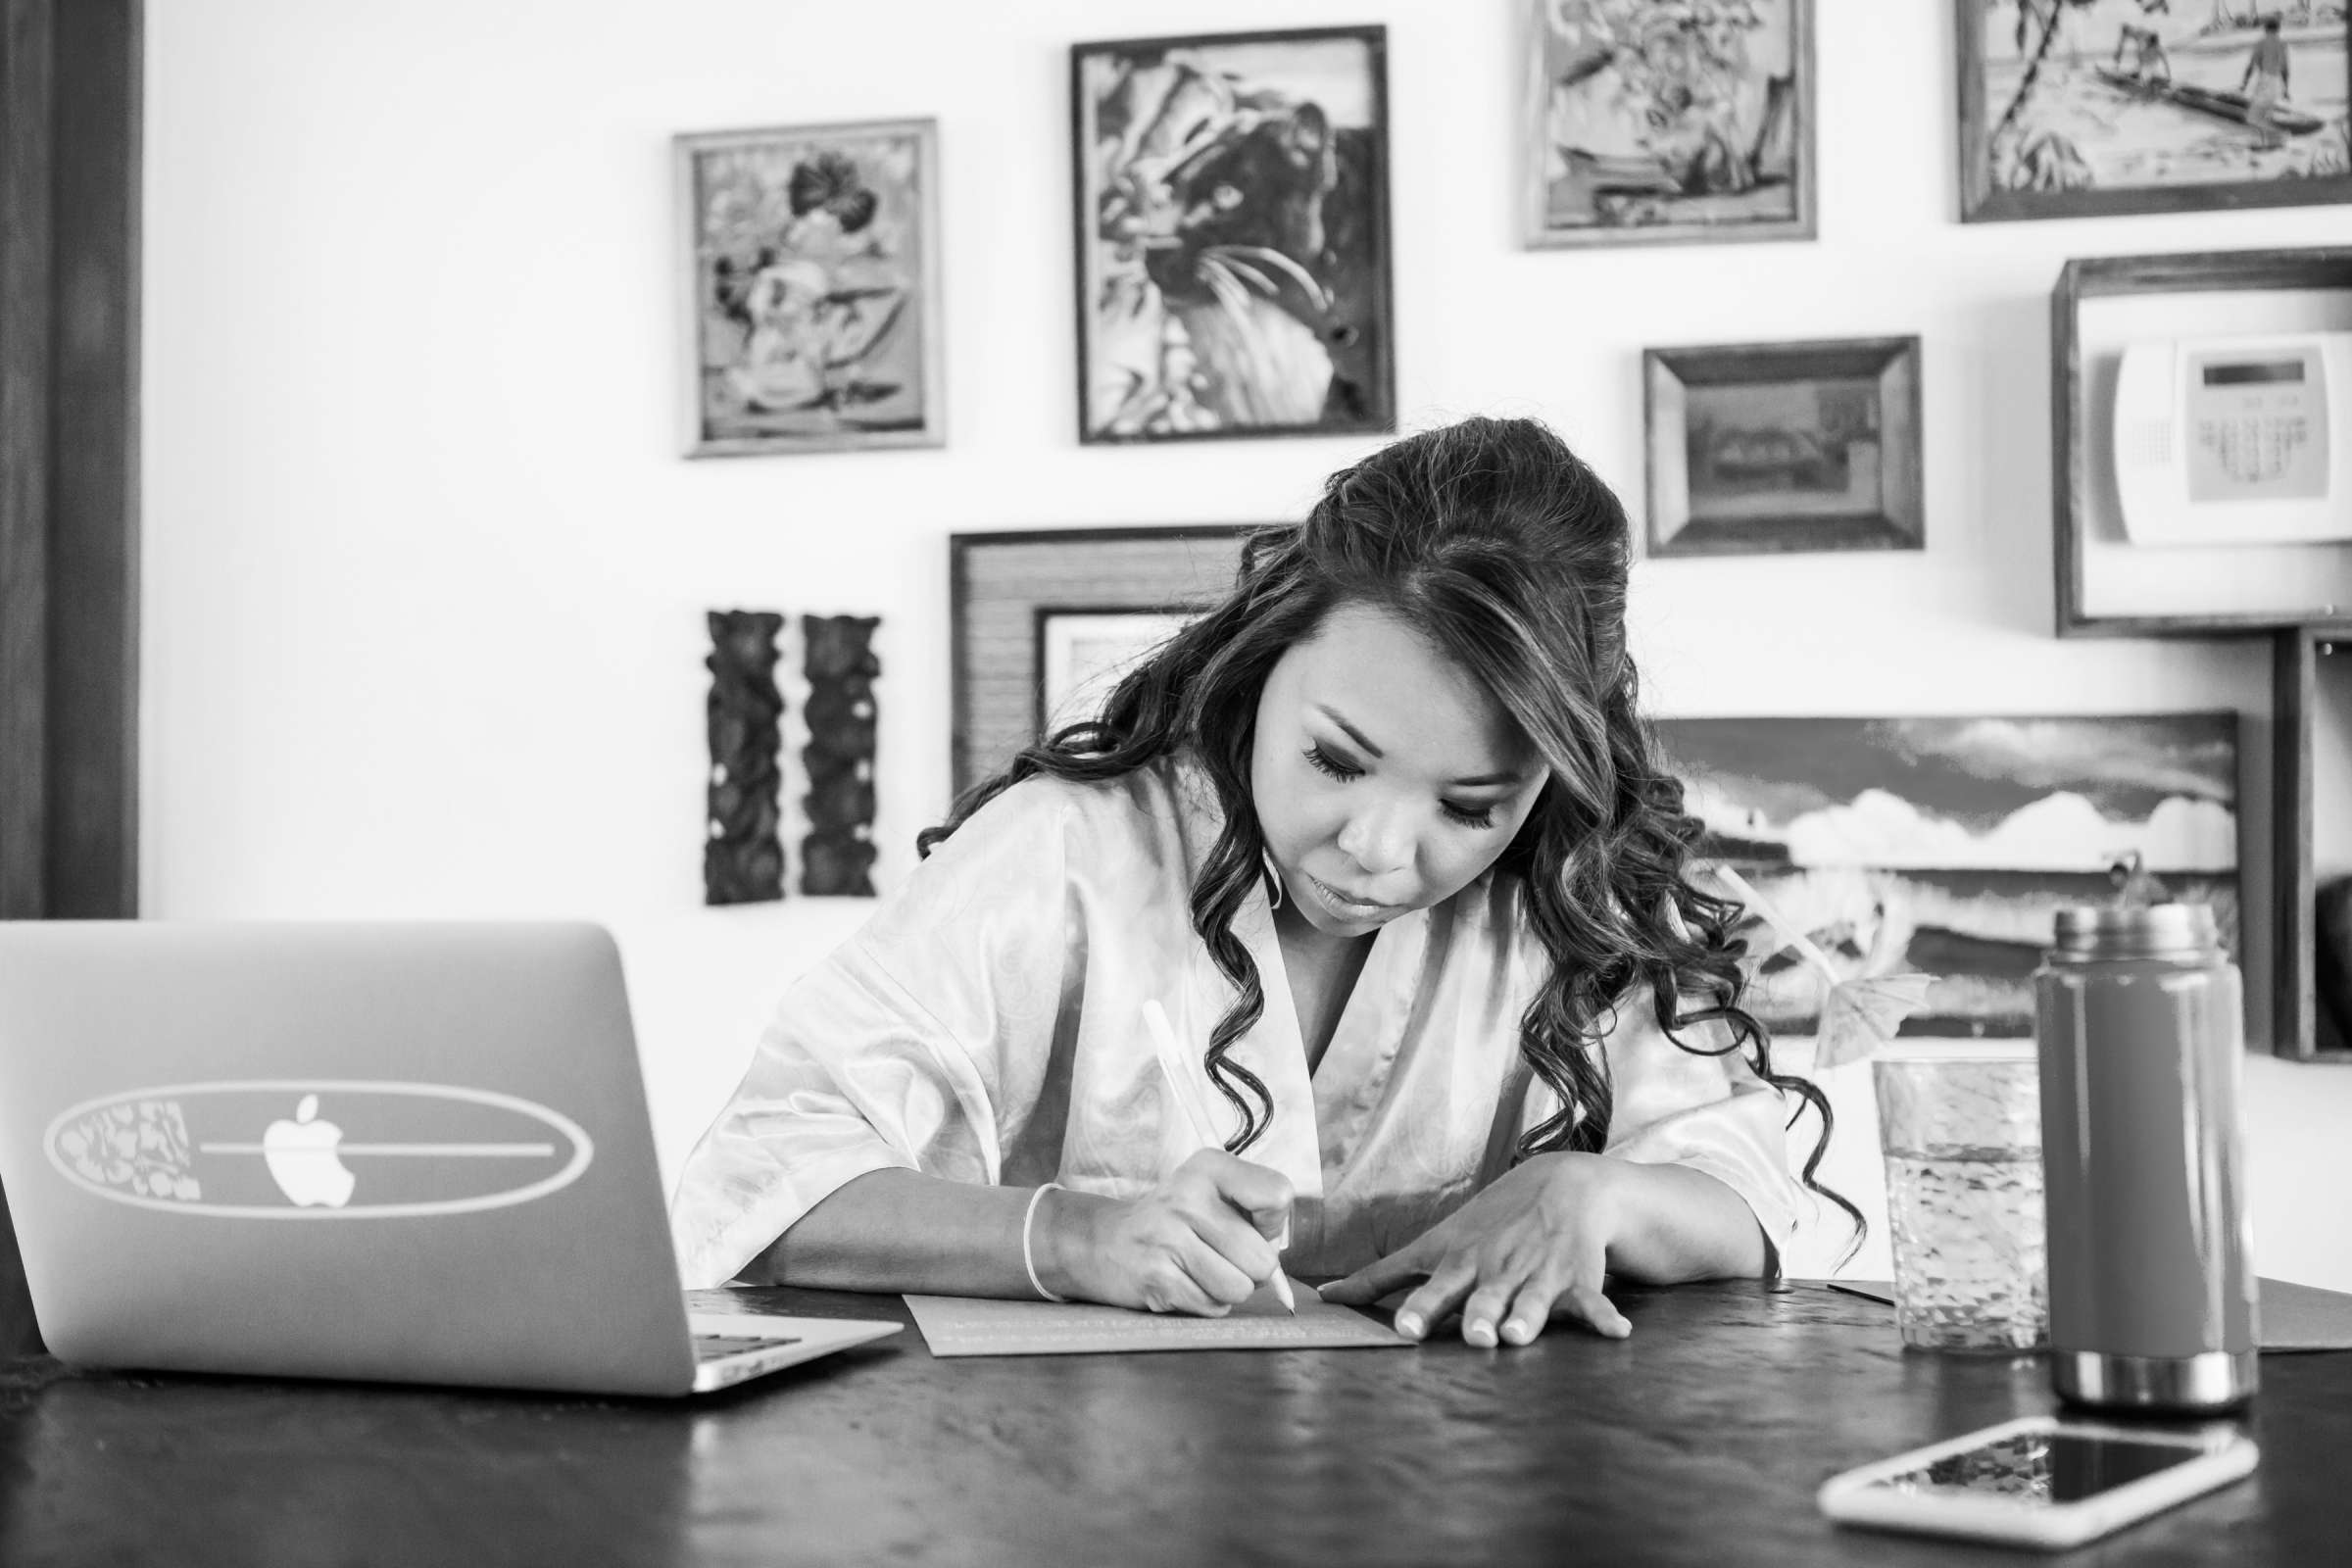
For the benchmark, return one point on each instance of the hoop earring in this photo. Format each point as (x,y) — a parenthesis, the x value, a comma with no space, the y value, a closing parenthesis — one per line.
(1273,878)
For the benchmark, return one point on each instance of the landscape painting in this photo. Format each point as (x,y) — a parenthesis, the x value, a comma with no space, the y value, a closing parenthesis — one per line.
(1782,448)
(1947,846)
(1651,120)
(2073,108)
(1233,236)
(1794,446)
(812,276)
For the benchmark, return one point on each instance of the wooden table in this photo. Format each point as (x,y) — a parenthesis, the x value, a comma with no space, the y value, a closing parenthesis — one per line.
(1699,1441)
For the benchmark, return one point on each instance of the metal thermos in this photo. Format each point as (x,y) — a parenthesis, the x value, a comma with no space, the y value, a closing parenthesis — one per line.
(2152,1290)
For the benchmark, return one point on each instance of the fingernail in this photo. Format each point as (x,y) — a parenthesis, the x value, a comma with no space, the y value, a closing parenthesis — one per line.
(1409,1324)
(1517,1332)
(1480,1335)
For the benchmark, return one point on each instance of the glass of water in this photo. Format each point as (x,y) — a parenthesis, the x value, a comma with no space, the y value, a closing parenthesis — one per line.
(1962,1134)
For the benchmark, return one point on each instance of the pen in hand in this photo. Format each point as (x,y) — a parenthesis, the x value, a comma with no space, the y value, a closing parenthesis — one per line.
(1171,1067)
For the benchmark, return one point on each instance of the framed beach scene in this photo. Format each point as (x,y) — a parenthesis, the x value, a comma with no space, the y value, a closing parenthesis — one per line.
(812,288)
(1231,228)
(2087,108)
(1646,122)
(1947,846)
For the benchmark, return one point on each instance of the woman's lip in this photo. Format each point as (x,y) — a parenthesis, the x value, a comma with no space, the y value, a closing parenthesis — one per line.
(1332,895)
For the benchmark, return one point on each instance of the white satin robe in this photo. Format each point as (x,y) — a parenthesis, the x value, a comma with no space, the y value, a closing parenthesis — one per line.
(985,1025)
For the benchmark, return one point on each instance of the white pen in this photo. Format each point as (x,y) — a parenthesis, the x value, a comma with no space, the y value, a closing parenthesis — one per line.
(1171,1067)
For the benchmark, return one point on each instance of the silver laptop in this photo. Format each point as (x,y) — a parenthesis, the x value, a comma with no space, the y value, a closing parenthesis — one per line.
(417,1153)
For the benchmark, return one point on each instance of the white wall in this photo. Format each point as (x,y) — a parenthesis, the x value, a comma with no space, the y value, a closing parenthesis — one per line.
(424,575)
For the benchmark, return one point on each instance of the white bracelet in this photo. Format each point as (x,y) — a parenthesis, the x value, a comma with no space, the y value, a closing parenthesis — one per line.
(1028,1258)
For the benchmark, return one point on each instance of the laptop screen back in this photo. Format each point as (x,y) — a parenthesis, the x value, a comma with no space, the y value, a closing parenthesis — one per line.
(413,1152)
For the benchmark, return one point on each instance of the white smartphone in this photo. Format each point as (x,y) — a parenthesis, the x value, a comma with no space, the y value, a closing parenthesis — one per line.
(2040,1481)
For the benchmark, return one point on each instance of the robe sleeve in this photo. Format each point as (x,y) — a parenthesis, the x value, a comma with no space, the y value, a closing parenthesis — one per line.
(1675,1106)
(914,1046)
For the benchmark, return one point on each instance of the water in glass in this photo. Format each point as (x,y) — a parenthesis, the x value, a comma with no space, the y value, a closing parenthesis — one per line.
(1969,1250)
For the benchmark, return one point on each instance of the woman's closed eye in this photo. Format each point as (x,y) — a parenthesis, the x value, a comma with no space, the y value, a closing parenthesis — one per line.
(1322,761)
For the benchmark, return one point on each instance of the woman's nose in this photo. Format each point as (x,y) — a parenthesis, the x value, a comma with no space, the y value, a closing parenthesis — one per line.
(1376,838)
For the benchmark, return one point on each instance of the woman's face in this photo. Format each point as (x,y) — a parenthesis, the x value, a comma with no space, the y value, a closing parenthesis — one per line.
(1385,777)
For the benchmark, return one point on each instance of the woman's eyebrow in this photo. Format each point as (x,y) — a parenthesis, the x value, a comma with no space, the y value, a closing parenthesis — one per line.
(1357,736)
(1354,734)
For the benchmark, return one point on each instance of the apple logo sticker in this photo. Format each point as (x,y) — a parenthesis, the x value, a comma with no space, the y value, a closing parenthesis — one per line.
(301,1157)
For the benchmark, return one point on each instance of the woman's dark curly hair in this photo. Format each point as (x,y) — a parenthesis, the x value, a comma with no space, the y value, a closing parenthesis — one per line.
(1501,546)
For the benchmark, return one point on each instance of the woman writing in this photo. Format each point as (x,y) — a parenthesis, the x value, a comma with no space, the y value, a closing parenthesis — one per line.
(1385,836)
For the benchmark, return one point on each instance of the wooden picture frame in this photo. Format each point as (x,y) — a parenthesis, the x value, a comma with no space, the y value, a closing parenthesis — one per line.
(809,281)
(1771,447)
(2104,587)
(1219,296)
(2311,755)
(1002,584)
(1621,118)
(2114,129)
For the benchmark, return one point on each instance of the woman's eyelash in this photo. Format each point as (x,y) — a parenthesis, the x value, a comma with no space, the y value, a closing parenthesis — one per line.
(1324,763)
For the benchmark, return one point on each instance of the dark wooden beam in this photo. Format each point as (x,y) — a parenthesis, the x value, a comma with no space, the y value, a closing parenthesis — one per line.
(70,83)
(90,866)
(26,98)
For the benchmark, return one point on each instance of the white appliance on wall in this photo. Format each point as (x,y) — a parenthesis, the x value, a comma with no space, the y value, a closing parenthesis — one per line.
(2235,440)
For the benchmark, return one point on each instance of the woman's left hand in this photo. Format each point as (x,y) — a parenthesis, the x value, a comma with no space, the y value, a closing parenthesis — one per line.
(1537,1238)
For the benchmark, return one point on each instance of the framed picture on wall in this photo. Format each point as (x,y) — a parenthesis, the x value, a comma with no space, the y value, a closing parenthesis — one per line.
(2088,108)
(1083,652)
(811,275)
(1231,228)
(1784,446)
(1947,844)
(1650,121)
(1038,615)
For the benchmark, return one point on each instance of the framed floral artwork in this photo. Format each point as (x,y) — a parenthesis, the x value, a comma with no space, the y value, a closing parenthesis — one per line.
(812,288)
(1656,121)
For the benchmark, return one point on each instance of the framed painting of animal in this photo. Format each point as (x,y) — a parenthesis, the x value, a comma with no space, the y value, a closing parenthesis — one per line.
(1766,447)
(1655,121)
(1231,228)
(2091,108)
(812,288)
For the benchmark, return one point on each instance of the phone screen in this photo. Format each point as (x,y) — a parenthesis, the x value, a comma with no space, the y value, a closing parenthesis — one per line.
(2040,1467)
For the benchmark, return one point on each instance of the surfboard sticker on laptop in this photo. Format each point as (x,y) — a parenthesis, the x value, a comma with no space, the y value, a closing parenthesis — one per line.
(324,1149)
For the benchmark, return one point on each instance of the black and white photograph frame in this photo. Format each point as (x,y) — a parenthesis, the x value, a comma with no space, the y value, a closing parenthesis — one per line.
(1775,447)
(810,288)
(1652,123)
(1083,651)
(2076,111)
(1008,591)
(1230,216)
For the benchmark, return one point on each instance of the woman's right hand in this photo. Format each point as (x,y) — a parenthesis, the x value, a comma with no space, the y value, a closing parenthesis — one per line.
(1197,1243)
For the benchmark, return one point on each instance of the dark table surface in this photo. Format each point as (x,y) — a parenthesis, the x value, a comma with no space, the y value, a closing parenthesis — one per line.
(1701,1440)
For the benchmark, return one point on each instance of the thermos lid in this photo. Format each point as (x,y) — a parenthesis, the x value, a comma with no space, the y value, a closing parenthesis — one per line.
(2143,930)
